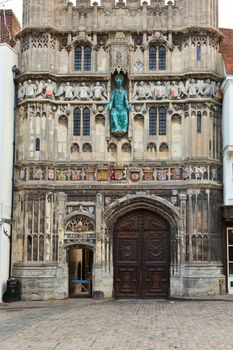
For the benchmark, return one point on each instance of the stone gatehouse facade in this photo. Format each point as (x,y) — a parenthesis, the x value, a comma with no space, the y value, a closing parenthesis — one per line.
(133,214)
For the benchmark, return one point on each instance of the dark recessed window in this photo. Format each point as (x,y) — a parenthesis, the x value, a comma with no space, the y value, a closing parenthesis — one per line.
(199,122)
(152,121)
(157,57)
(162,121)
(86,121)
(78,58)
(87,58)
(82,58)
(198,53)
(152,58)
(77,122)
(37,144)
(162,58)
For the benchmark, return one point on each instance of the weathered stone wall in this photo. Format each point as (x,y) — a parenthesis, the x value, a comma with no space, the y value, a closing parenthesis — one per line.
(72,186)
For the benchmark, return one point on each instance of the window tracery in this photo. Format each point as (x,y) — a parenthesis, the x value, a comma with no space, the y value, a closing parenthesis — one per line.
(82,58)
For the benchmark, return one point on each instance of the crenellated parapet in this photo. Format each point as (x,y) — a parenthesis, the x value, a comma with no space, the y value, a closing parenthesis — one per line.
(110,15)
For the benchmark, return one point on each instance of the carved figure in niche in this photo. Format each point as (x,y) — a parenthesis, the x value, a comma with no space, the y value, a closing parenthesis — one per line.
(200,87)
(77,91)
(61,90)
(182,89)
(50,89)
(40,85)
(142,91)
(174,90)
(160,90)
(69,91)
(99,91)
(30,89)
(20,92)
(84,93)
(191,88)
(209,88)
(119,107)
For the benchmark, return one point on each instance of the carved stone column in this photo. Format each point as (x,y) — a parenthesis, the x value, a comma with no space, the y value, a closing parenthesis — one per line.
(98,226)
(182,236)
(61,210)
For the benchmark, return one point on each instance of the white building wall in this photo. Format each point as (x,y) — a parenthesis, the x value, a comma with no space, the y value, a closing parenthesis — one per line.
(227,130)
(8,58)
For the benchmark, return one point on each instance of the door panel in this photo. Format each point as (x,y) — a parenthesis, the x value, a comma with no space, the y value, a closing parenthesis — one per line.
(141,256)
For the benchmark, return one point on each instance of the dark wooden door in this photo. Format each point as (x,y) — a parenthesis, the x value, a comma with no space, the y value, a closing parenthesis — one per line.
(141,256)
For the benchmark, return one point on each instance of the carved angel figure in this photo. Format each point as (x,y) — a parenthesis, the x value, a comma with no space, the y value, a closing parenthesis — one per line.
(68,89)
(50,89)
(40,85)
(30,89)
(209,88)
(21,92)
(85,92)
(99,91)
(182,89)
(141,91)
(160,90)
(191,88)
(60,90)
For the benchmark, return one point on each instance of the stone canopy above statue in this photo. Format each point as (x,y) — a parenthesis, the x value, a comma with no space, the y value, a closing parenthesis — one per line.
(119,53)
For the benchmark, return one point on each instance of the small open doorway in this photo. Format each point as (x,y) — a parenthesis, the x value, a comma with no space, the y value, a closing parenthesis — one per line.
(80,264)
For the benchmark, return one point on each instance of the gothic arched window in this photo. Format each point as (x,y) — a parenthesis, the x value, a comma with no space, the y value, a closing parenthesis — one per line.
(77,122)
(86,121)
(87,58)
(152,58)
(162,121)
(198,122)
(37,144)
(162,58)
(152,121)
(82,58)
(157,57)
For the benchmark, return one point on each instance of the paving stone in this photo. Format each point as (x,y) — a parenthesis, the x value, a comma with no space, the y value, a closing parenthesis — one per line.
(119,325)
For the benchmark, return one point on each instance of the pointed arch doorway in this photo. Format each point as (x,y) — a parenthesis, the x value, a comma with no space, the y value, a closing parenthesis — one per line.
(141,255)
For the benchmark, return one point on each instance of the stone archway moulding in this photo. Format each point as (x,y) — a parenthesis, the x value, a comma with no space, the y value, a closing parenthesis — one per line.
(142,201)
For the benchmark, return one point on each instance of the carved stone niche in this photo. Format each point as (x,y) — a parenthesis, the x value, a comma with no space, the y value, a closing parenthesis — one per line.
(133,3)
(84,3)
(107,3)
(119,50)
(157,2)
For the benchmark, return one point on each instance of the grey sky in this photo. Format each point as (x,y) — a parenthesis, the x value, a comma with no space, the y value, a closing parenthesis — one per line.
(225,11)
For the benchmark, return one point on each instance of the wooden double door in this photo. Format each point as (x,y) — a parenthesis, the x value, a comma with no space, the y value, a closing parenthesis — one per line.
(141,256)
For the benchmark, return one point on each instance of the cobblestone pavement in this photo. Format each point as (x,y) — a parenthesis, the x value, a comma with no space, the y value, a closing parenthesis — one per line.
(119,325)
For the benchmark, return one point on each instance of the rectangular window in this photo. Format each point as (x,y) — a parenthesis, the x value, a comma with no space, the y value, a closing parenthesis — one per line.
(199,122)
(162,121)
(87,59)
(198,53)
(152,58)
(78,58)
(86,124)
(162,58)
(153,121)
(77,122)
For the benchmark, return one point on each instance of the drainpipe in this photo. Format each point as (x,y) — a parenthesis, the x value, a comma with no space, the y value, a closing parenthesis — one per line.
(15,72)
